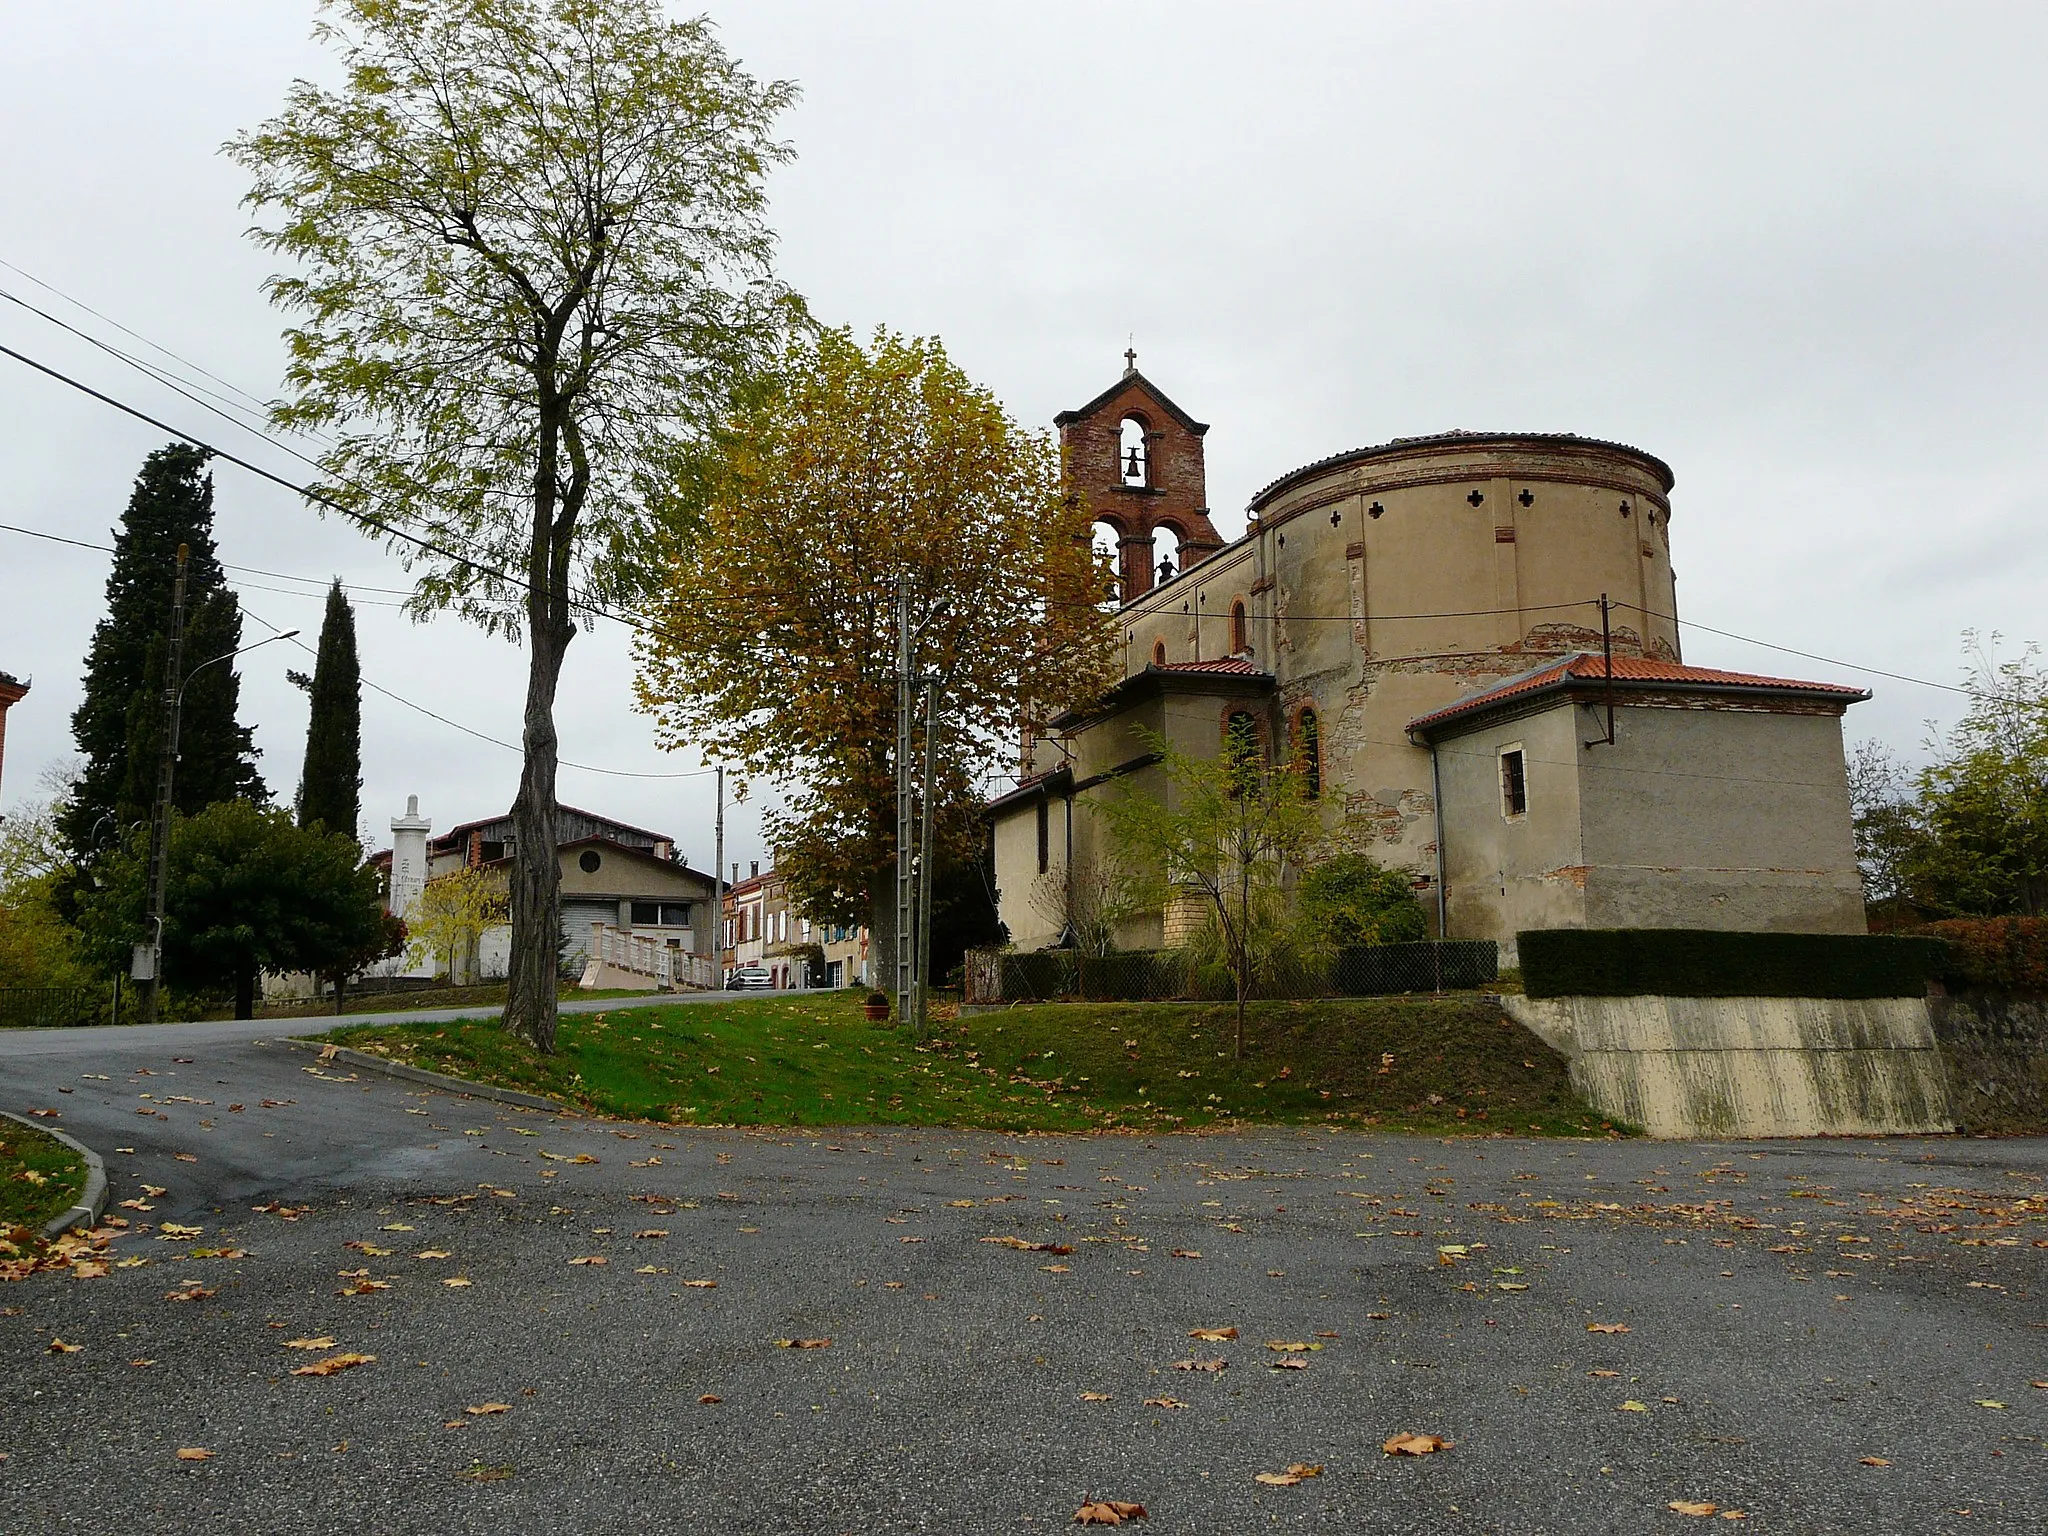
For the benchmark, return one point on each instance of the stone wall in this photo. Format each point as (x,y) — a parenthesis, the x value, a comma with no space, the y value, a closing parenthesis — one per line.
(1995,1046)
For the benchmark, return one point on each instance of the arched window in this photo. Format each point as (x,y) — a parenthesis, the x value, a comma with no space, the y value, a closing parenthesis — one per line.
(1308,751)
(1242,754)
(1158,653)
(1240,637)
(1133,453)
(1165,552)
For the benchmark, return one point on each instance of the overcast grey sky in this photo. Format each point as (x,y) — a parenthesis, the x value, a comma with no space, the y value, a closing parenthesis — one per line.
(1793,249)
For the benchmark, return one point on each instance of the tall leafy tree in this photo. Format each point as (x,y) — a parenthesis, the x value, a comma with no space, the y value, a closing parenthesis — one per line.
(118,725)
(247,892)
(530,261)
(331,782)
(776,646)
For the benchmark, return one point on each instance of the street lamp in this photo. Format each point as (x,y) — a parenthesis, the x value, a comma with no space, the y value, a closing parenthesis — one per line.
(146,965)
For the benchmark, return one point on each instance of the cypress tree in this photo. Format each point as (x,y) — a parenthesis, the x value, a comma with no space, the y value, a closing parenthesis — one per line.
(118,726)
(330,784)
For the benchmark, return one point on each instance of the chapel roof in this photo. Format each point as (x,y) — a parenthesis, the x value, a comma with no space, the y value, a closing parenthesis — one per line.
(1636,674)
(1395,447)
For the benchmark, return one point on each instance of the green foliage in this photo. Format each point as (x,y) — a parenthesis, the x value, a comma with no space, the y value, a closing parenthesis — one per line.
(776,647)
(1969,837)
(1456,1066)
(118,724)
(1222,840)
(38,947)
(1696,962)
(450,917)
(40,1179)
(331,783)
(1350,899)
(247,891)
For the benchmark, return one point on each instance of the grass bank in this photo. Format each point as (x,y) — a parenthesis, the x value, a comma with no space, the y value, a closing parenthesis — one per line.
(40,1178)
(415,1000)
(1423,1064)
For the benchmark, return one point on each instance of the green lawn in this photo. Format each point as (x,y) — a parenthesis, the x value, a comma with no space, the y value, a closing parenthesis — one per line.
(39,1178)
(1430,1064)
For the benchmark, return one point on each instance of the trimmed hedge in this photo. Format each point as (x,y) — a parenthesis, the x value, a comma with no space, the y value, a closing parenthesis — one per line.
(2001,954)
(1701,962)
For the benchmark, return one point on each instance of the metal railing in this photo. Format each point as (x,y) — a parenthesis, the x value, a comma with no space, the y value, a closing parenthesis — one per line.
(1012,976)
(54,1007)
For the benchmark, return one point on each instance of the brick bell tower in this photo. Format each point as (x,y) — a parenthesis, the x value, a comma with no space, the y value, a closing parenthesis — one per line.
(1135,458)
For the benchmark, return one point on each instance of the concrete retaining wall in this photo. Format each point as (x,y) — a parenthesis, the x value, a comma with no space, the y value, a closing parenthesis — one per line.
(1750,1066)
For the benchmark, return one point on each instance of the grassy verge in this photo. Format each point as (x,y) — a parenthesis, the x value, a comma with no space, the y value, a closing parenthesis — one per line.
(40,1177)
(489,995)
(1426,1064)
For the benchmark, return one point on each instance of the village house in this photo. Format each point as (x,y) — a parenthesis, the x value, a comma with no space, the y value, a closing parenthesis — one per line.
(1469,643)
(620,883)
(764,928)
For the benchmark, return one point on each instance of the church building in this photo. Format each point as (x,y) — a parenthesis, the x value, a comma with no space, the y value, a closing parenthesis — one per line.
(1470,643)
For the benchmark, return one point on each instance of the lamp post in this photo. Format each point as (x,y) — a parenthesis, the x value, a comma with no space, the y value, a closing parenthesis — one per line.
(147,964)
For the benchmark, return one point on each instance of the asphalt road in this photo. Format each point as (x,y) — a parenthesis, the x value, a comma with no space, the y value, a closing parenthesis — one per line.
(1769,1347)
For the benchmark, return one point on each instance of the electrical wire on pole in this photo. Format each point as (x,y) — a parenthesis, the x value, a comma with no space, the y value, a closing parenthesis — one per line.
(923,965)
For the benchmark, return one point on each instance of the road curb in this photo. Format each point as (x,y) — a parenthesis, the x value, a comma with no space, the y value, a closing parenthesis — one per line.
(88,1210)
(441,1080)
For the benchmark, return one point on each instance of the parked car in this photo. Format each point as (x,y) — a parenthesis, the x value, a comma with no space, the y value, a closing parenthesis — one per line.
(750,978)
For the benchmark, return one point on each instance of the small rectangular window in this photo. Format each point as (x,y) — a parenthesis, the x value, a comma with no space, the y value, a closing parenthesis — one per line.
(1044,837)
(1514,784)
(646,914)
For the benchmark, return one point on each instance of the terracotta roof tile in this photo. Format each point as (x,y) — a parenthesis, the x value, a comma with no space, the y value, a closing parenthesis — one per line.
(1585,667)
(1227,666)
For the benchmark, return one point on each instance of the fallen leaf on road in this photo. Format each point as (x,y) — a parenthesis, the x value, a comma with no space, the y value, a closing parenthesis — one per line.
(1692,1507)
(1632,1406)
(652,1232)
(482,1409)
(155,1191)
(1185,1253)
(1164,1402)
(595,1258)
(702,1285)
(1094,1397)
(191,1292)
(137,1205)
(1607,1327)
(433,1253)
(1379,1317)
(1056,1269)
(194,1453)
(651,1269)
(362,1246)
(1021,1245)
(968,1204)
(59,1347)
(322,1342)
(2042,1385)
(1296,1471)
(1988,1402)
(1200,1365)
(483,1474)
(652,1162)
(803,1343)
(333,1365)
(710,1397)
(171,1232)
(1290,1346)
(47,1114)
(456,1281)
(185,1157)
(329,1052)
(1409,1444)
(365,1287)
(1874,1461)
(1289,1363)
(1212,1335)
(394,1226)
(1109,1512)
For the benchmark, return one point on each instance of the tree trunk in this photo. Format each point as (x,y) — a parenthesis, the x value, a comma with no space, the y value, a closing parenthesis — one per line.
(340,990)
(532,976)
(245,995)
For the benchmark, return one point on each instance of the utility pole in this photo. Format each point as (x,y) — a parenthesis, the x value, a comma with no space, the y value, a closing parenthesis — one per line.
(1607,653)
(147,967)
(718,889)
(921,971)
(905,960)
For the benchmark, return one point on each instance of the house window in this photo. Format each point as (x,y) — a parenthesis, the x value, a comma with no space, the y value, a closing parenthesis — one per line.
(1044,836)
(1158,653)
(1133,457)
(1240,640)
(1308,751)
(590,861)
(1514,784)
(661,914)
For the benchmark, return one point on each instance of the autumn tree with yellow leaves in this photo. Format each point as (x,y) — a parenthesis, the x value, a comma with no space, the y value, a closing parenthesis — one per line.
(773,645)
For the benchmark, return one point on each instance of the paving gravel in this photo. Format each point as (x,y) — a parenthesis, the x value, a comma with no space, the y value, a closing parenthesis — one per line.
(1790,1309)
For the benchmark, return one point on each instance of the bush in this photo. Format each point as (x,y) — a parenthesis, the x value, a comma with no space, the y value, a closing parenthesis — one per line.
(1695,962)
(2005,954)
(1349,900)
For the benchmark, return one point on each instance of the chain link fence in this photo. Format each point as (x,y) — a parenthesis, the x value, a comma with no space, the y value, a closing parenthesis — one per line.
(1156,975)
